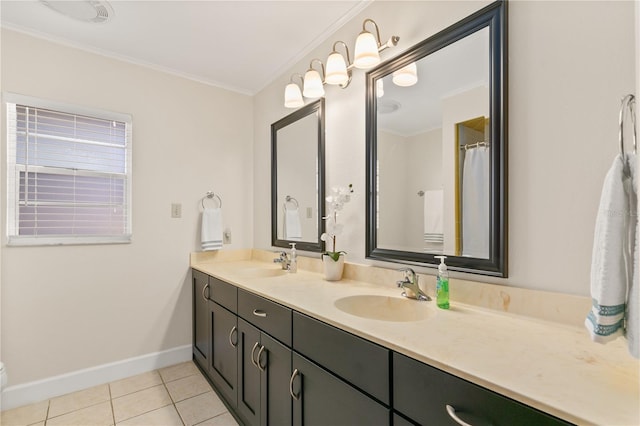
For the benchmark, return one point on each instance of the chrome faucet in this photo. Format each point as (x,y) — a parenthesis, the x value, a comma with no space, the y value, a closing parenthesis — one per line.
(410,285)
(283,260)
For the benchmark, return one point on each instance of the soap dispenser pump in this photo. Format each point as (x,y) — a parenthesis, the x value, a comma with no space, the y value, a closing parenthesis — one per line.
(442,284)
(293,265)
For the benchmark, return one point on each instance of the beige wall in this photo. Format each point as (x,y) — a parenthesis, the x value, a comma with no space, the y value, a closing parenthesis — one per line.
(74,307)
(570,63)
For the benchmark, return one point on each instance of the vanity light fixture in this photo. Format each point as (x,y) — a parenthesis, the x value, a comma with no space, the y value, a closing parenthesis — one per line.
(292,93)
(338,71)
(368,47)
(406,76)
(312,87)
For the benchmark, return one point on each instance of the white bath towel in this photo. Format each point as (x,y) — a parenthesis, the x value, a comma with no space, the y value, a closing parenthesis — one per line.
(433,229)
(292,228)
(612,258)
(211,234)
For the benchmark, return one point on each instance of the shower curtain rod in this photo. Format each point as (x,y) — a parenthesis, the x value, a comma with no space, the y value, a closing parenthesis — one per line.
(475,145)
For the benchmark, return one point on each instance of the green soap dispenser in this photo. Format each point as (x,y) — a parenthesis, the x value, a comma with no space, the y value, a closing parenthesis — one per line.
(442,285)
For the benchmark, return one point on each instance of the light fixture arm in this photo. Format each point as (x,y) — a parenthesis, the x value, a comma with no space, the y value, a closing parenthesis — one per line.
(393,40)
(321,66)
(345,48)
(294,75)
(349,63)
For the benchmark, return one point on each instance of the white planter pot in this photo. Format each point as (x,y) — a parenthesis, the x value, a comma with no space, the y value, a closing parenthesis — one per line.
(332,269)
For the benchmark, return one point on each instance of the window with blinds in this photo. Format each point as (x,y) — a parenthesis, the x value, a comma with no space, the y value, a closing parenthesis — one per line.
(69,174)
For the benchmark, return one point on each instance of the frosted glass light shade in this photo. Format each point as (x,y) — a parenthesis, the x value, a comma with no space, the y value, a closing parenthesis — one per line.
(336,69)
(379,88)
(312,84)
(292,96)
(366,55)
(407,76)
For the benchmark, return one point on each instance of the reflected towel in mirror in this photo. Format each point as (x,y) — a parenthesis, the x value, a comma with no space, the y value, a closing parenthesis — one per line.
(433,230)
(211,233)
(292,228)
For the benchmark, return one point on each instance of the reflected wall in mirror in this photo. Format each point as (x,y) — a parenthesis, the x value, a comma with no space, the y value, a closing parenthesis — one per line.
(297,178)
(436,144)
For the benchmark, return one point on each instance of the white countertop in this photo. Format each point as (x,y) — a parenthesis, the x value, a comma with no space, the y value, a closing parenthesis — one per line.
(552,367)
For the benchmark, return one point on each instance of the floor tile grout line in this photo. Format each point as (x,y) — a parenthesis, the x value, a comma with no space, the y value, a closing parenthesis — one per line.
(171,397)
(113,413)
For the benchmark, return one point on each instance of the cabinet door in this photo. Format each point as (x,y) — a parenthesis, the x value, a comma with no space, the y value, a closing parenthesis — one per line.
(223,367)
(275,365)
(201,334)
(323,399)
(248,373)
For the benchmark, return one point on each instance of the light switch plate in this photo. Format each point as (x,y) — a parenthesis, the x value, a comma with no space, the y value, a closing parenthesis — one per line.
(176,210)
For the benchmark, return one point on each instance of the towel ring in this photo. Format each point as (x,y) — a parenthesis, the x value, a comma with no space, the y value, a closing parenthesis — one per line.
(290,199)
(627,104)
(210,195)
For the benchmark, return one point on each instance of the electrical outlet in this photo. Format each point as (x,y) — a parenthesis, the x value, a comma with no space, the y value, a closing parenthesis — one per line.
(176,210)
(226,236)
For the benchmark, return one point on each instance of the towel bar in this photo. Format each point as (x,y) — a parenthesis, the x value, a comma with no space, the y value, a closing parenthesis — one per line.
(210,195)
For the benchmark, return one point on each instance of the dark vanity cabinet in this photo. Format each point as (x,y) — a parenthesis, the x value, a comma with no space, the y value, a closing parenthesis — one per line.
(264,361)
(277,367)
(223,364)
(338,378)
(201,327)
(428,395)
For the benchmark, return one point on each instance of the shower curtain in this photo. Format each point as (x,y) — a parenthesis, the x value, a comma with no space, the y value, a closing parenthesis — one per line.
(475,203)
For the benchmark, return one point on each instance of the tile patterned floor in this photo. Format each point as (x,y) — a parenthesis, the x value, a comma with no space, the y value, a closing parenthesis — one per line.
(173,396)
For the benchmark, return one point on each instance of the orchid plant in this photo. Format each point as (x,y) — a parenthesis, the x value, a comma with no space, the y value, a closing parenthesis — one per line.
(336,201)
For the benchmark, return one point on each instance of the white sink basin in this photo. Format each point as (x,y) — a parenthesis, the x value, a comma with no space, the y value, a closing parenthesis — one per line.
(261,272)
(385,308)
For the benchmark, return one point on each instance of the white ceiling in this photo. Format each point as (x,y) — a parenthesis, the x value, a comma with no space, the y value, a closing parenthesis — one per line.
(238,45)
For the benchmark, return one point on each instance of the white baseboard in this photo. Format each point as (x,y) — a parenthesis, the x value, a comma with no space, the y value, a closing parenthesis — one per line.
(28,393)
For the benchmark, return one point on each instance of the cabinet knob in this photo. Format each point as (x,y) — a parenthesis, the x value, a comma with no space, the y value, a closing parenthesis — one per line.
(293,377)
(452,413)
(259,313)
(233,330)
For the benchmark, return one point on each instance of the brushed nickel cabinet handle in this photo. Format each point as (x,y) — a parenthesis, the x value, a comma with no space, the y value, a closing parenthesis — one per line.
(233,330)
(253,354)
(259,313)
(293,377)
(260,367)
(452,413)
(206,298)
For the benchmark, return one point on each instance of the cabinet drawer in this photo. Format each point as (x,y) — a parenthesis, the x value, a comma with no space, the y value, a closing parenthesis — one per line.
(269,316)
(224,294)
(422,392)
(360,362)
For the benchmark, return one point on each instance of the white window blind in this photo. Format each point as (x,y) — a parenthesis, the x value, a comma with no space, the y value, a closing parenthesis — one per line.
(69,174)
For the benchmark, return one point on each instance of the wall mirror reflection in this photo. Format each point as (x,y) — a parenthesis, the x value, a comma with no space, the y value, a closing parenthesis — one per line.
(436,138)
(297,178)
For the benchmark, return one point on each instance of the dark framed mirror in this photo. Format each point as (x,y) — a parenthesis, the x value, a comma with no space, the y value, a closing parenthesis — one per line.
(437,149)
(297,178)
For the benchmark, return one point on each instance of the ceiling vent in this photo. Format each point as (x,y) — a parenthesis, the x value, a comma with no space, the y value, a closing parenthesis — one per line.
(85,11)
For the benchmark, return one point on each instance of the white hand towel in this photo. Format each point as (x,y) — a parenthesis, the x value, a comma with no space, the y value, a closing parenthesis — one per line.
(292,227)
(211,235)
(632,330)
(433,201)
(611,262)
